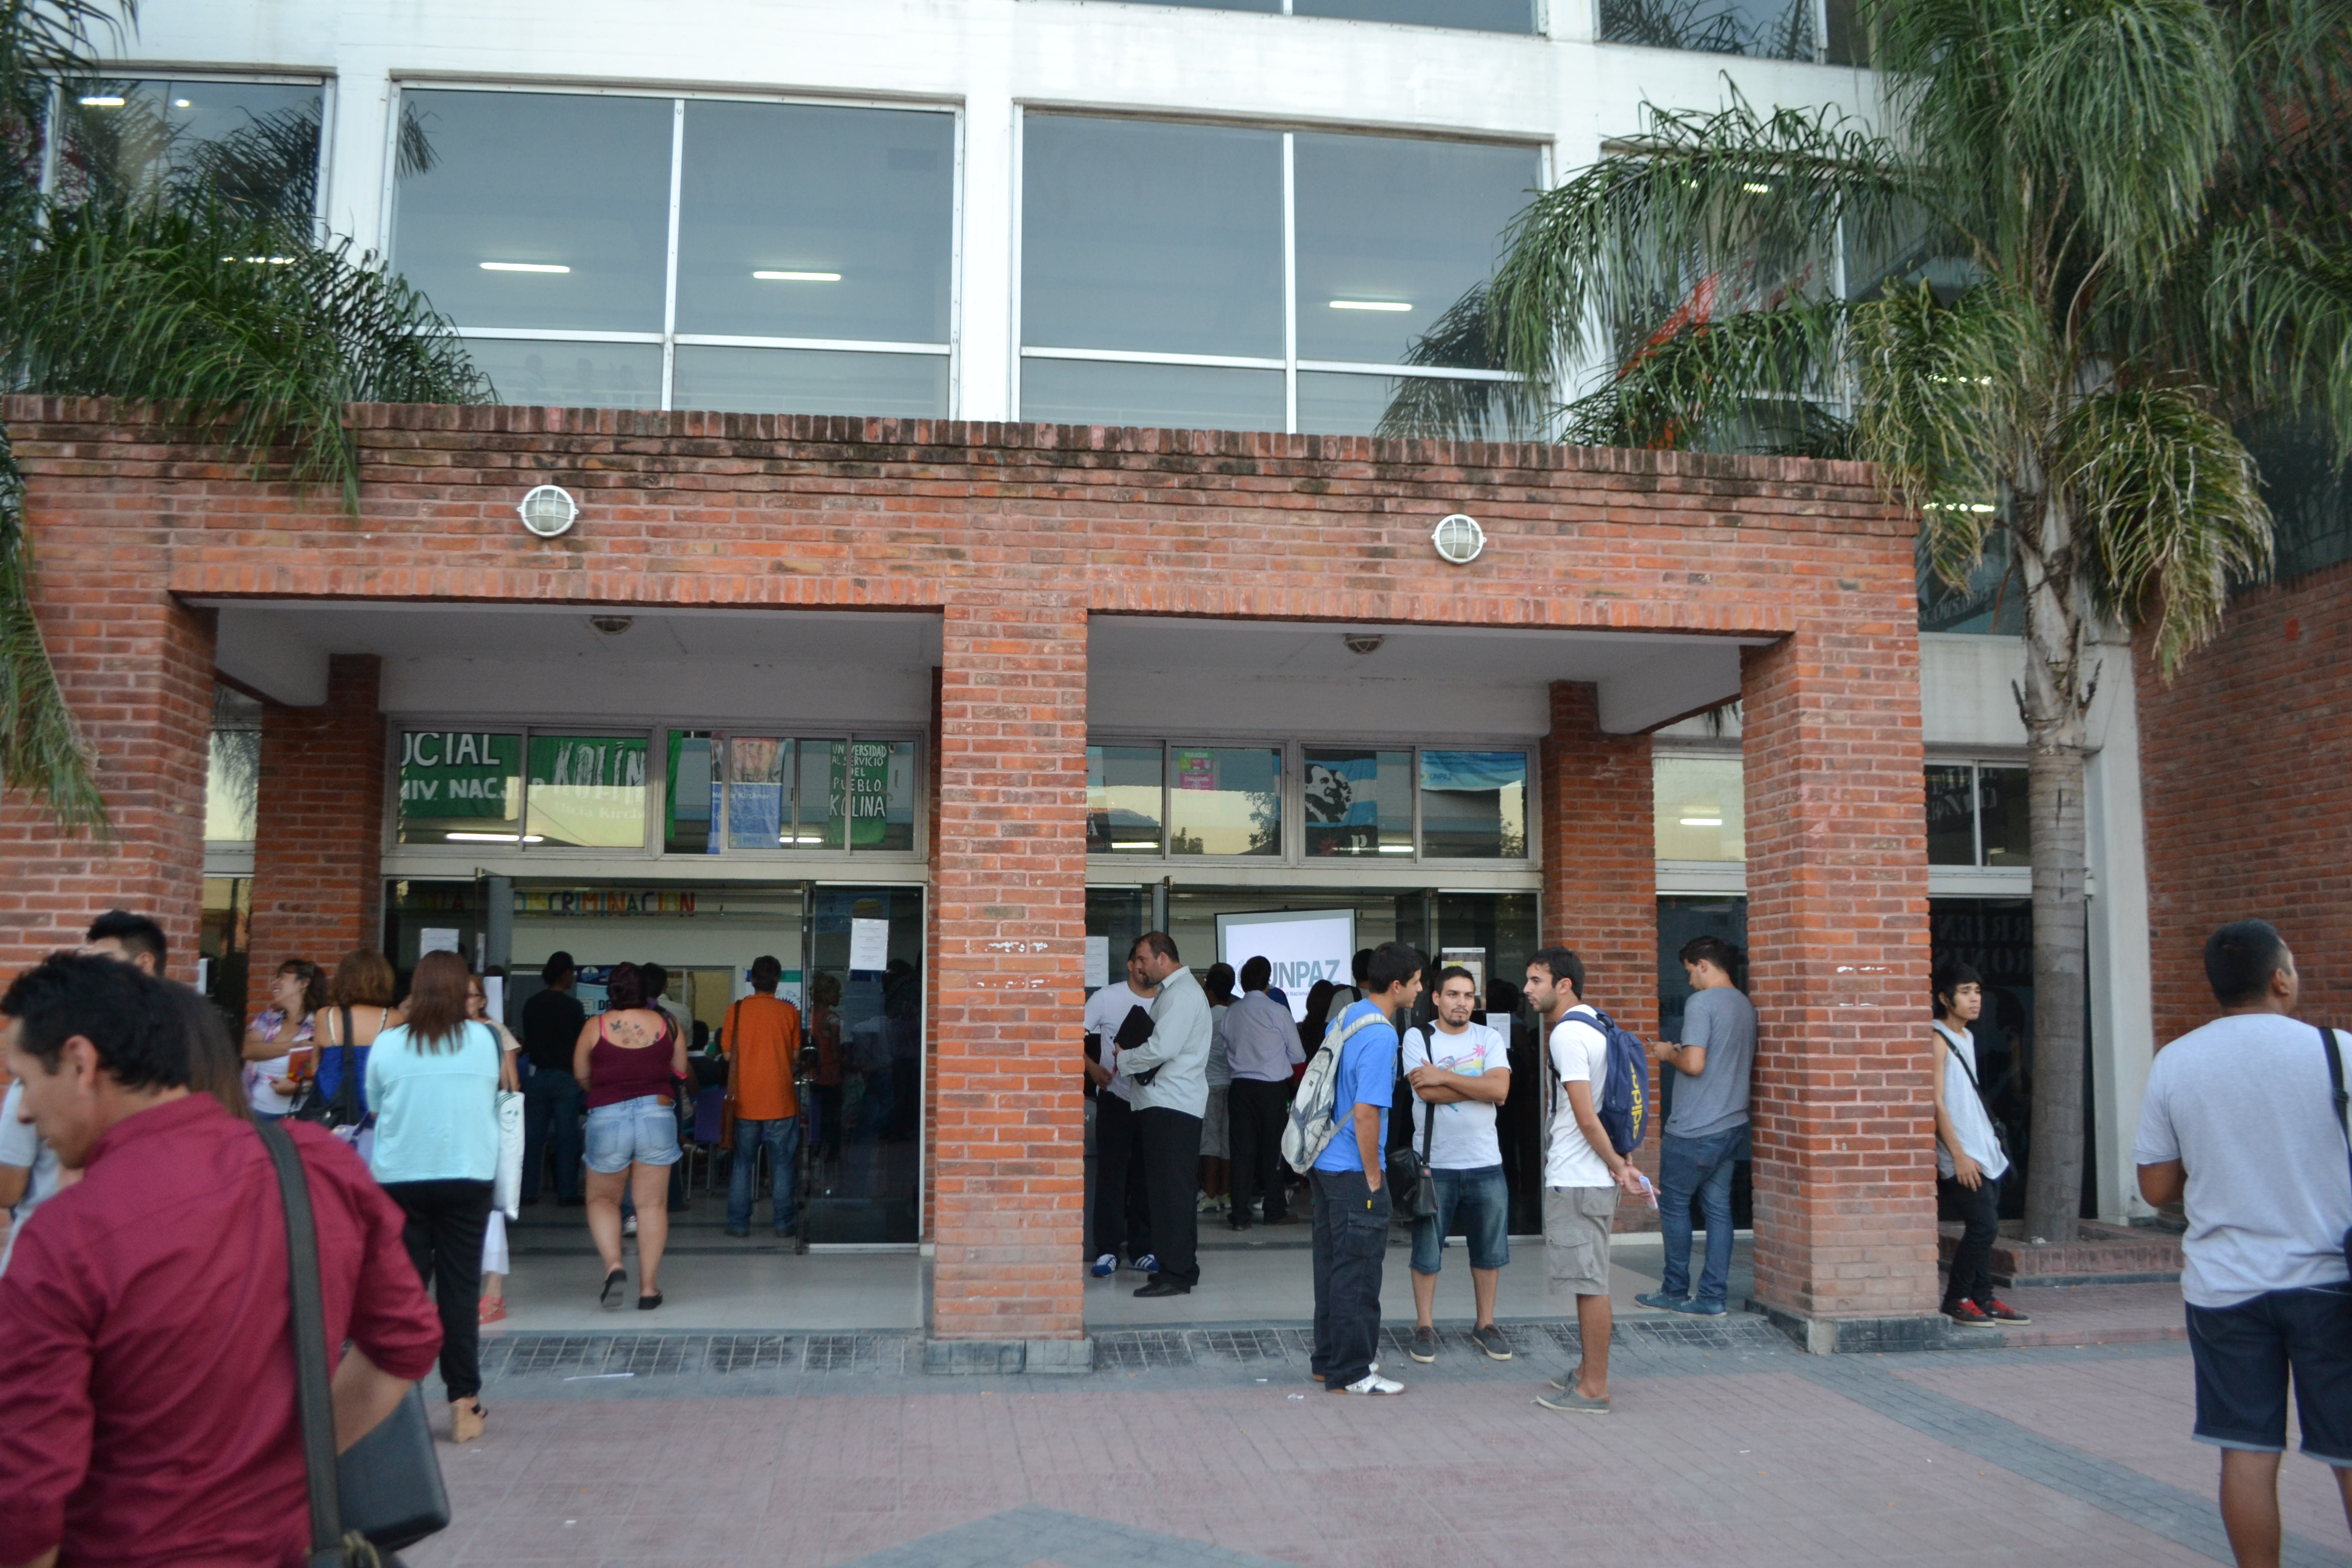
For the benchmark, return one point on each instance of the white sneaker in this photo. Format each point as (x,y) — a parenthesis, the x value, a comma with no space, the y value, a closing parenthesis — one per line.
(1373,1382)
(629,1226)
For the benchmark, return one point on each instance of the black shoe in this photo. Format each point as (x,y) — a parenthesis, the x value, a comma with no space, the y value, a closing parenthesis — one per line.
(1164,1288)
(647,1303)
(612,1281)
(1237,1224)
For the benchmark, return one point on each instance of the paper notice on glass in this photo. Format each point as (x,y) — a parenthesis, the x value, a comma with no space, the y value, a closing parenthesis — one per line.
(869,944)
(494,996)
(1097,961)
(437,939)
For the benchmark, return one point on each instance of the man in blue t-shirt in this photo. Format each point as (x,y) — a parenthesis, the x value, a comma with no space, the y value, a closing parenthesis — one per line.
(1351,1201)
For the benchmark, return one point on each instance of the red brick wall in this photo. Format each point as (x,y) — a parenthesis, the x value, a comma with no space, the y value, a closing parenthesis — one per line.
(2246,779)
(137,671)
(1009,932)
(318,892)
(1837,933)
(1015,533)
(1601,877)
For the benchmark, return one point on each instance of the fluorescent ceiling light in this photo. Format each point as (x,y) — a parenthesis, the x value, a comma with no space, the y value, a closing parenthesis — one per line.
(101,100)
(265,260)
(1753,189)
(1702,822)
(492,838)
(1370,305)
(798,277)
(523,266)
(1150,844)
(182,104)
(1396,848)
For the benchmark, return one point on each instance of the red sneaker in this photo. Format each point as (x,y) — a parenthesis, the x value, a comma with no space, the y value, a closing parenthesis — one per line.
(1968,1315)
(1999,1311)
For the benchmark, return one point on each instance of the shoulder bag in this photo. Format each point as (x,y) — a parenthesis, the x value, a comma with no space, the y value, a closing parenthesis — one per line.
(385,1492)
(343,1107)
(1412,1191)
(2343,1110)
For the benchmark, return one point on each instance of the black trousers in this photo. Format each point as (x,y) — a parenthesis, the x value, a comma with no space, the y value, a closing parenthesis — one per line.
(1169,1143)
(443,1235)
(1351,1242)
(1979,1211)
(1122,1225)
(1257,1112)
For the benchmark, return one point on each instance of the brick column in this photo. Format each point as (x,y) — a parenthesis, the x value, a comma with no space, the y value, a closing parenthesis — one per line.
(317,841)
(1837,929)
(1601,876)
(1009,932)
(136,668)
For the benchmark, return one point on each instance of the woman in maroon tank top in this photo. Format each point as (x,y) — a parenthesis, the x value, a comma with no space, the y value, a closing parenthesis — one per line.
(629,1061)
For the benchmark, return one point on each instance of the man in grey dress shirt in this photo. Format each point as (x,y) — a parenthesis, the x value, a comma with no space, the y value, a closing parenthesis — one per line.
(1167,1077)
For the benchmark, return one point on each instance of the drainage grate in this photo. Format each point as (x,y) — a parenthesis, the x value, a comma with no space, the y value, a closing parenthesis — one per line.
(752,1352)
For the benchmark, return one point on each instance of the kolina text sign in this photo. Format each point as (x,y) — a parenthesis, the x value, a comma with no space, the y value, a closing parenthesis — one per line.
(1303,945)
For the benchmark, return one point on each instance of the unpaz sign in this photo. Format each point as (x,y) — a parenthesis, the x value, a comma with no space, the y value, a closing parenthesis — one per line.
(568,901)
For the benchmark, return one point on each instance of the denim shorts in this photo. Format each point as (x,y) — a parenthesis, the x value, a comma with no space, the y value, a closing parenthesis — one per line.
(1481,1200)
(2244,1356)
(644,1130)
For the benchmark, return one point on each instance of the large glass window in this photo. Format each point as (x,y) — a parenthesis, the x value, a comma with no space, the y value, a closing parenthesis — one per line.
(1123,791)
(460,787)
(1977,815)
(1700,803)
(253,144)
(1225,800)
(1473,805)
(731,793)
(587,790)
(1771,29)
(1154,255)
(624,251)
(233,776)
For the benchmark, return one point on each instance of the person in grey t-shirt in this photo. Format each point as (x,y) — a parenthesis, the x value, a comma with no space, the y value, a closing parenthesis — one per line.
(1707,1134)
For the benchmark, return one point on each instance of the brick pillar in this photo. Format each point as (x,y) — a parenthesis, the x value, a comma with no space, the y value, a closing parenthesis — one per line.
(318,838)
(1601,875)
(1009,932)
(1837,929)
(136,668)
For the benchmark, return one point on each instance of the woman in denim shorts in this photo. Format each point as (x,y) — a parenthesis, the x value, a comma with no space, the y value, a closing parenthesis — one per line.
(629,1061)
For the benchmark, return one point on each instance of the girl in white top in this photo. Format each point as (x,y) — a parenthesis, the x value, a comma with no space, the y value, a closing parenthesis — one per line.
(495,1258)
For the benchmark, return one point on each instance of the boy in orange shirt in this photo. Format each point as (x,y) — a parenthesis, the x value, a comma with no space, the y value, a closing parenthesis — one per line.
(761,1039)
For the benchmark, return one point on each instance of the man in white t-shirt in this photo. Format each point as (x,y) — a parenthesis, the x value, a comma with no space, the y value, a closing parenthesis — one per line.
(1970,1160)
(1460,1072)
(28,1166)
(2243,1127)
(1117,1210)
(1582,1175)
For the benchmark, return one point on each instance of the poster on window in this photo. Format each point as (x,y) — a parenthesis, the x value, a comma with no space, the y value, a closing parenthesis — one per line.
(861,790)
(447,774)
(1343,792)
(1196,770)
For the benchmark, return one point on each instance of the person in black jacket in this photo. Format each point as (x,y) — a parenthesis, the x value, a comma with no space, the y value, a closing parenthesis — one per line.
(551,1021)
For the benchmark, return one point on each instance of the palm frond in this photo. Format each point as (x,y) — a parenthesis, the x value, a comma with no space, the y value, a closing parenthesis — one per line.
(42,752)
(1447,409)
(2168,508)
(1754,380)
(2282,305)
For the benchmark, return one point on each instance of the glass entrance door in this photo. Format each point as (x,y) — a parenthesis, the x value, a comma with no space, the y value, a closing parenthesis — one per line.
(865,1019)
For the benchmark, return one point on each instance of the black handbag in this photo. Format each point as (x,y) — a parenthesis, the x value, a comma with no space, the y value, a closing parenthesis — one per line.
(2343,1110)
(1412,1191)
(343,1107)
(386,1492)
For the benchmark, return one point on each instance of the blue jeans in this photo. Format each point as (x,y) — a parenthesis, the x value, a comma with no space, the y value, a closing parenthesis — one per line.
(783,1138)
(1481,1199)
(1700,1167)
(551,1109)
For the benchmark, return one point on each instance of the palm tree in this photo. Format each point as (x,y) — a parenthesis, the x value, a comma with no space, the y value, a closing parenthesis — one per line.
(2085,242)
(208,289)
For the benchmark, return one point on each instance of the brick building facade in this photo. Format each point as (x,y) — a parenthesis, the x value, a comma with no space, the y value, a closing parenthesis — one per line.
(1018,539)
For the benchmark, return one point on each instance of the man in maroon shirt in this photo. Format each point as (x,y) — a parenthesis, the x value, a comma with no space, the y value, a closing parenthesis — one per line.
(147,1411)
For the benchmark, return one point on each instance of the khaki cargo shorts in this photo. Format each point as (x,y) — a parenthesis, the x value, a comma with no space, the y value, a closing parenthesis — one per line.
(1576,1239)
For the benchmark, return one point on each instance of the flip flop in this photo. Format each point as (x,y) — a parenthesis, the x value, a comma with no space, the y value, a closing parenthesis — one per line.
(617,1278)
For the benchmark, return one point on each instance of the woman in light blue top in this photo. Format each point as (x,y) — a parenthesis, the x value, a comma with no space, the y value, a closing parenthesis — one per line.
(433,1082)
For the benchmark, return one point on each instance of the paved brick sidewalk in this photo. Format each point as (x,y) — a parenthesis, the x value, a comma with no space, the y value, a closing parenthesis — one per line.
(1209,1447)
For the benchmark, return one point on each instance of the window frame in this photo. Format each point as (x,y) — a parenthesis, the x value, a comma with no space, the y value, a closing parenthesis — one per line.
(669,338)
(1820,55)
(1290,364)
(797,734)
(1538,17)
(1976,763)
(52,144)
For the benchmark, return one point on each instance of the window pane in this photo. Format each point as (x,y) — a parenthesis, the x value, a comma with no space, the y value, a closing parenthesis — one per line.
(1161,396)
(2008,825)
(587,790)
(1227,801)
(1358,802)
(1473,805)
(1123,795)
(865,196)
(1951,823)
(1335,404)
(1480,15)
(823,794)
(536,373)
(757,809)
(1700,803)
(1384,222)
(254,143)
(691,802)
(810,381)
(232,786)
(1774,29)
(1143,236)
(539,180)
(460,788)
(894,828)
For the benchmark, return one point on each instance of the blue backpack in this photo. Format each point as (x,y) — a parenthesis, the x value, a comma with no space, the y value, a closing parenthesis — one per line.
(1624,1105)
